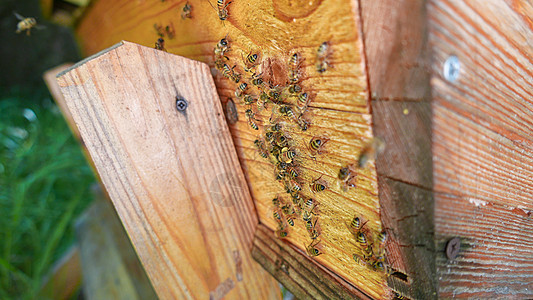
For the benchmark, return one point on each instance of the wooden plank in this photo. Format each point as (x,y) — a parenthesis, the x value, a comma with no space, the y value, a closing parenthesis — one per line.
(482,146)
(65,278)
(303,277)
(496,255)
(395,38)
(111,268)
(339,108)
(173,176)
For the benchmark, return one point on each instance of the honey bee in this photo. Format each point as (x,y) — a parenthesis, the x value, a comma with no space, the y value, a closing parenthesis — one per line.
(261,147)
(277,217)
(297,200)
(159,30)
(322,66)
(160,44)
(186,11)
(250,61)
(288,209)
(295,89)
(251,119)
(248,99)
(241,89)
(303,100)
(221,48)
(281,233)
(399,296)
(356,226)
(276,202)
(169,29)
(257,80)
(347,177)
(310,225)
(290,221)
(287,111)
(382,238)
(372,148)
(269,136)
(361,238)
(275,151)
(293,186)
(280,140)
(26,24)
(317,185)
(292,171)
(378,266)
(308,209)
(221,9)
(286,155)
(232,116)
(322,51)
(312,250)
(227,71)
(302,123)
(294,72)
(316,144)
(359,260)
(274,95)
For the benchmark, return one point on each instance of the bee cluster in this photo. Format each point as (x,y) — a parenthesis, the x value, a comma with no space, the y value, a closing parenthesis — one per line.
(371,250)
(288,104)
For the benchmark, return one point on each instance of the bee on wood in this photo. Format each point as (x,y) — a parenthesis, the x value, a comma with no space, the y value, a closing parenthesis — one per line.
(251,119)
(356,226)
(281,233)
(311,228)
(372,148)
(317,185)
(248,99)
(308,209)
(294,68)
(290,221)
(232,116)
(303,100)
(169,29)
(276,202)
(291,170)
(286,155)
(261,147)
(288,209)
(278,218)
(159,30)
(361,239)
(221,9)
(293,186)
(286,111)
(294,89)
(221,48)
(160,44)
(302,123)
(312,250)
(26,24)
(316,144)
(399,296)
(382,238)
(269,136)
(257,80)
(322,66)
(274,95)
(186,11)
(241,89)
(359,260)
(227,71)
(250,61)
(280,140)
(322,51)
(348,176)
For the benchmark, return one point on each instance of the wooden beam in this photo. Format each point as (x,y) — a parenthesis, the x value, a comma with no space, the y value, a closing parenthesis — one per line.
(483,146)
(173,175)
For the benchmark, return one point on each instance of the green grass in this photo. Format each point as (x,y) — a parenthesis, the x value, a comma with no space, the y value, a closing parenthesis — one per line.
(44,185)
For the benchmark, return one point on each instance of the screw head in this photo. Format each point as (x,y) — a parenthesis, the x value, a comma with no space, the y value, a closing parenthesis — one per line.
(452,248)
(451,68)
(181,104)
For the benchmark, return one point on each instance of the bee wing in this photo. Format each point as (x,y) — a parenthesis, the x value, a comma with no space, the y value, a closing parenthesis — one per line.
(18,16)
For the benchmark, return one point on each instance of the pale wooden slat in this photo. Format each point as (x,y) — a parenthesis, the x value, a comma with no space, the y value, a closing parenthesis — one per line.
(169,173)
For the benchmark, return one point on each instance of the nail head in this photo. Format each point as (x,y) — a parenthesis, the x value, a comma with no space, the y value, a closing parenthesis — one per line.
(452,248)
(181,104)
(451,68)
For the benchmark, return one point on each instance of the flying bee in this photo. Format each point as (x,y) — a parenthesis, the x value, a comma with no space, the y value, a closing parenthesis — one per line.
(312,250)
(316,144)
(317,185)
(26,24)
(372,148)
(186,11)
(322,51)
(221,9)
(290,221)
(160,44)
(261,147)
(232,116)
(250,61)
(295,89)
(251,119)
(286,155)
(344,173)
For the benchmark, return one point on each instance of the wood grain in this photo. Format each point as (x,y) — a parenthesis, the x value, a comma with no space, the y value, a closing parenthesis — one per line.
(395,38)
(339,108)
(111,268)
(483,146)
(302,276)
(185,223)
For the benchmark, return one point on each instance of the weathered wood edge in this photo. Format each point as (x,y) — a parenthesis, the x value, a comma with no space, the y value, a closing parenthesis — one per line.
(299,274)
(399,95)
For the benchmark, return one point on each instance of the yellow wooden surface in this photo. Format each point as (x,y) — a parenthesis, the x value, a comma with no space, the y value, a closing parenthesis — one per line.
(173,177)
(338,109)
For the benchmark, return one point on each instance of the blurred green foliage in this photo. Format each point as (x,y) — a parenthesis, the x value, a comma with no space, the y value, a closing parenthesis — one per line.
(44,184)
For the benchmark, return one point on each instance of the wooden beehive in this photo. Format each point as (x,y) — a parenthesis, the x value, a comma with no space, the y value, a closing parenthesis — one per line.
(458,150)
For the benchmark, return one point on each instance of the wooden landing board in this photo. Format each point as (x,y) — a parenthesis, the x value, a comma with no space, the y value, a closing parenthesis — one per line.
(338,109)
(172,175)
(483,147)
